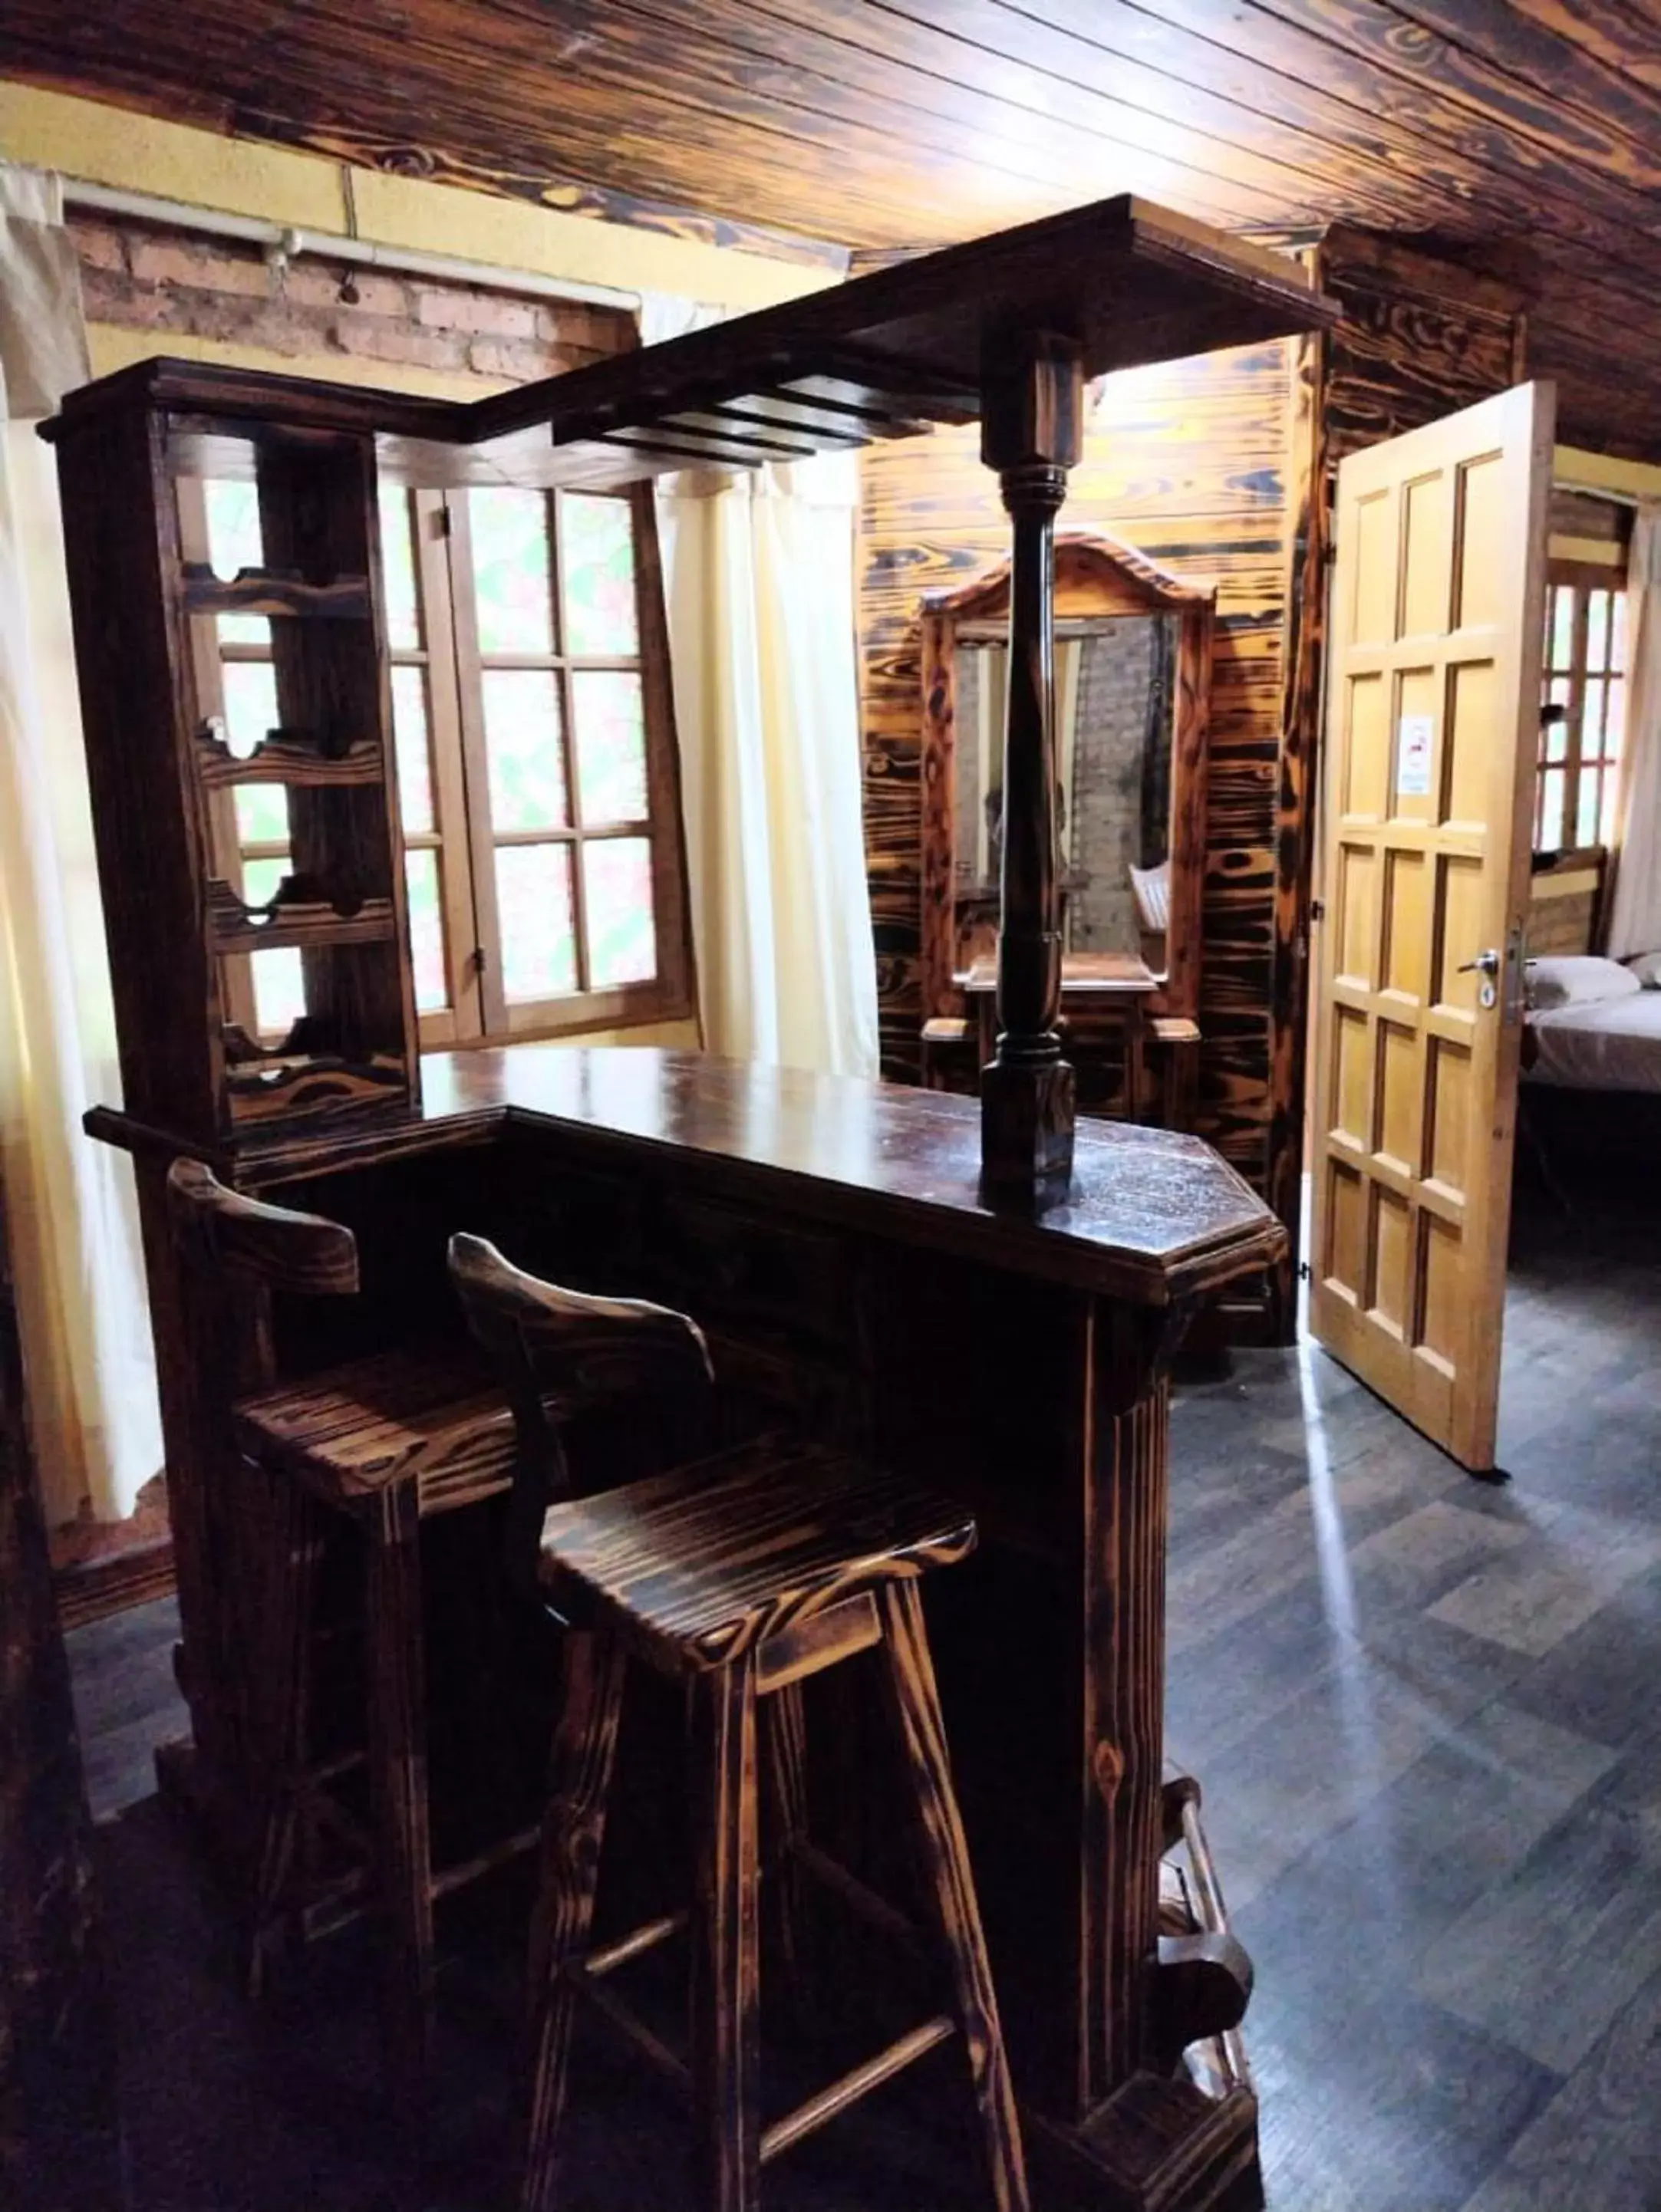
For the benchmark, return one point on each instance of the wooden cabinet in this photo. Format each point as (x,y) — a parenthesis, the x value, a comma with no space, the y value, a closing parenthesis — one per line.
(164,776)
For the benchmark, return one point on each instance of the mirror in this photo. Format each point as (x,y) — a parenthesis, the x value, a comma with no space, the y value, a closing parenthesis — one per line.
(1132,674)
(1115,707)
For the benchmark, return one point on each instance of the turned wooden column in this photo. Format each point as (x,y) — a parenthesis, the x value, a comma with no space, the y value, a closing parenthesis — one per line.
(1032,407)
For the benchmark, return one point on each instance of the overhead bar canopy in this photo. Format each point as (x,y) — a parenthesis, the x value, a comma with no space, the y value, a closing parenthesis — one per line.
(884,356)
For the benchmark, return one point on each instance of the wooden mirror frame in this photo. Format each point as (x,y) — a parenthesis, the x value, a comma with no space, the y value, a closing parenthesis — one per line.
(1095,576)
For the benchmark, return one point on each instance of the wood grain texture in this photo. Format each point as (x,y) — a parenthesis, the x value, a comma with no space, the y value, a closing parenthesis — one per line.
(698,1566)
(908,1674)
(573,1830)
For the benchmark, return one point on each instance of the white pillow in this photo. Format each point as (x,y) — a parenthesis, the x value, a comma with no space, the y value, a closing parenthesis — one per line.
(1647,969)
(1572,979)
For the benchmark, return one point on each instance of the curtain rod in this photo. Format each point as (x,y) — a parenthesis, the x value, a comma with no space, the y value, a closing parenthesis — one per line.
(283,243)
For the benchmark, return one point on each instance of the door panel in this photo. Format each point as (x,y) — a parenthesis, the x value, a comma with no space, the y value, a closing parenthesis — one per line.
(1432,731)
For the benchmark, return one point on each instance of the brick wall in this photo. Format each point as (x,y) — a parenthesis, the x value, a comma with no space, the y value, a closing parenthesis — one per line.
(139,276)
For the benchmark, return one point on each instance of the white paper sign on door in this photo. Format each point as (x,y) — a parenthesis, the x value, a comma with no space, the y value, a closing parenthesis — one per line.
(1413,736)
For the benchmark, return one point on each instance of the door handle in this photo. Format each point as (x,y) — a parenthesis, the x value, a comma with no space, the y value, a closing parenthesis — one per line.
(1486,965)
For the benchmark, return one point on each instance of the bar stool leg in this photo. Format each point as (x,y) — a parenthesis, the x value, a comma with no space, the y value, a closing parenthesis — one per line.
(725,1988)
(280,1699)
(783,1726)
(398,1753)
(573,1831)
(913,1700)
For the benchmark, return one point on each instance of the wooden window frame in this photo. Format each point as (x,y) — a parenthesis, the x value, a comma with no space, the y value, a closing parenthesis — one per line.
(462,835)
(666,996)
(1582,578)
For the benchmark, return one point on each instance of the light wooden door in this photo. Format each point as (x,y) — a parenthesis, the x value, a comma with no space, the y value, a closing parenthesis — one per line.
(1431,729)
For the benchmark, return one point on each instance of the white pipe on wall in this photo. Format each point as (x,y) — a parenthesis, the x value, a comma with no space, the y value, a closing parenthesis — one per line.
(283,244)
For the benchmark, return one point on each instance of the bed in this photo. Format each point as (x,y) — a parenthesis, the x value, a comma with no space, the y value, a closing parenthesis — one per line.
(1600,1044)
(1591,1071)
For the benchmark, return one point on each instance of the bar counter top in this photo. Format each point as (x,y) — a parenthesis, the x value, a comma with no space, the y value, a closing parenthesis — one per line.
(1153,1217)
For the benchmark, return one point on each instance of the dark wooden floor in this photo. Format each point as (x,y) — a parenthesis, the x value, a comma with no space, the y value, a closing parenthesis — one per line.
(1426,1714)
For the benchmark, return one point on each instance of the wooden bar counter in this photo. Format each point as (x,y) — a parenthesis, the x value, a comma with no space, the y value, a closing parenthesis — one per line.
(831,1236)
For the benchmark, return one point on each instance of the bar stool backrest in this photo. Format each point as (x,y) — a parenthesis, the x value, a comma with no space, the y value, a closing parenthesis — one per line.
(275,1246)
(557,1352)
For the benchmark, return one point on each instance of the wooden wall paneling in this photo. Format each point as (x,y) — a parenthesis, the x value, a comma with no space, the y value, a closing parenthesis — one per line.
(1421,337)
(1296,805)
(57,2121)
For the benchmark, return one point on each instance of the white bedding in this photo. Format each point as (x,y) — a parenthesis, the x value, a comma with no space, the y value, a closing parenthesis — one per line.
(1601,1044)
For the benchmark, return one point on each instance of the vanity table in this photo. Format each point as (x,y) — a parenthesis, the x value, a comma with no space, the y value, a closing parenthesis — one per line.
(1131,712)
(844,1243)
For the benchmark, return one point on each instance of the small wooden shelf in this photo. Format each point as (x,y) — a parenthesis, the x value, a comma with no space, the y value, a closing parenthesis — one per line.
(272,592)
(289,756)
(261,1090)
(288,922)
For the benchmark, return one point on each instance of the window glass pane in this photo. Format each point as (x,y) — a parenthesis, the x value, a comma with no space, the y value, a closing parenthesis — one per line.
(1557,732)
(249,690)
(611,745)
(1551,813)
(522,744)
(1618,646)
(410,740)
(533,906)
(262,813)
(262,878)
(1611,799)
(512,577)
(1586,829)
(279,991)
(234,543)
(426,931)
(1598,627)
(1562,626)
(279,981)
(1615,720)
(398,569)
(616,882)
(599,575)
(1591,721)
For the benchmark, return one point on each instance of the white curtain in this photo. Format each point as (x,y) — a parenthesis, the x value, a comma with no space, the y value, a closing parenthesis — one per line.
(1635,906)
(758,577)
(70,1215)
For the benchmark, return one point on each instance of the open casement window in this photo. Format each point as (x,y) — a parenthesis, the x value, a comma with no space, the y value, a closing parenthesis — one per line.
(537,783)
(1583,713)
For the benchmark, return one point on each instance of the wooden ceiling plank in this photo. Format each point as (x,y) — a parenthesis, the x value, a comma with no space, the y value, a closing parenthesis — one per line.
(1622,33)
(1074,133)
(1305,46)
(703,98)
(1455,84)
(1609,106)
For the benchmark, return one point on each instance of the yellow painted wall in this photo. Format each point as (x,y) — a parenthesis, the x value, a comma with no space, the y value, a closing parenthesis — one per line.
(133,153)
(139,153)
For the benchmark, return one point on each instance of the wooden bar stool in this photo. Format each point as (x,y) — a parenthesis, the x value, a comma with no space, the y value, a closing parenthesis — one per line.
(739,1575)
(385,1441)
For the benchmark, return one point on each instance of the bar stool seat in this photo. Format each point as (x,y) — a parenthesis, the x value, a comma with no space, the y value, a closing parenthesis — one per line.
(699,1567)
(431,1414)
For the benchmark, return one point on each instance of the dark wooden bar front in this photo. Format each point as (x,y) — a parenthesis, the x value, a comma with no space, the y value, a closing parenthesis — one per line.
(831,1236)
